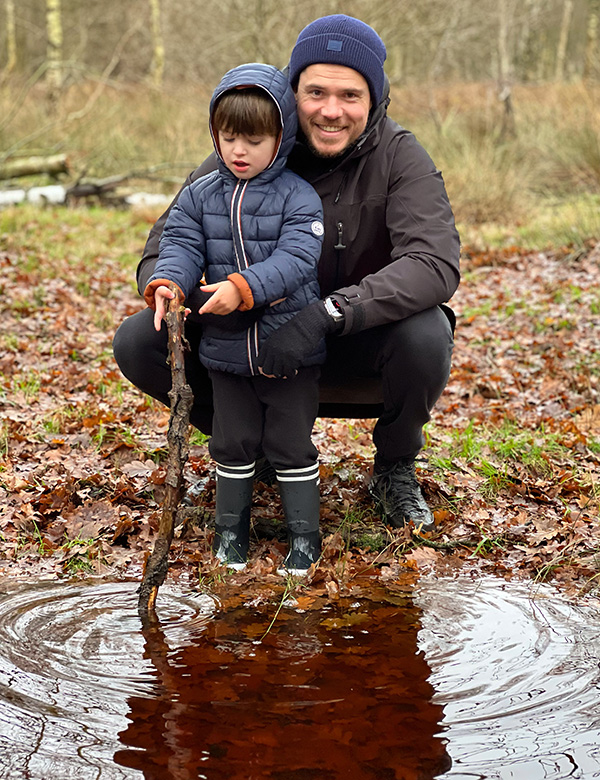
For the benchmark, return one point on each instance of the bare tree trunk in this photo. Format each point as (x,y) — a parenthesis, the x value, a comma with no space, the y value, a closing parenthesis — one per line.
(11,37)
(505,70)
(158,48)
(451,28)
(54,49)
(590,68)
(561,52)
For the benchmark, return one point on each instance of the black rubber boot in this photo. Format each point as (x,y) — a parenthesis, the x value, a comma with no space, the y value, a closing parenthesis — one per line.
(300,500)
(232,515)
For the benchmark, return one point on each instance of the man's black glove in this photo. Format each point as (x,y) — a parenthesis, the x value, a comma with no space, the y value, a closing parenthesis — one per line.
(285,349)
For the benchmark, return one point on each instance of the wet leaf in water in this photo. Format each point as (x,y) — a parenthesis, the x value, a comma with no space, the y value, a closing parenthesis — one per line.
(344,621)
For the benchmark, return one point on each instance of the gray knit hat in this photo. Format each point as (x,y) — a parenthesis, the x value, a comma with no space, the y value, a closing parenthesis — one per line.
(341,40)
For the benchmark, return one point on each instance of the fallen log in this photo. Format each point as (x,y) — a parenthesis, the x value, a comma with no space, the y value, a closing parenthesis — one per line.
(181,397)
(30,166)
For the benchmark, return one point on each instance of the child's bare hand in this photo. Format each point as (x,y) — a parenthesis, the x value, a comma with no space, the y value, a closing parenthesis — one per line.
(226,298)
(162,296)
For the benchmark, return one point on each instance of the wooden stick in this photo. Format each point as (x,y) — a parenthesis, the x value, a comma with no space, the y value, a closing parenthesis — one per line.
(181,396)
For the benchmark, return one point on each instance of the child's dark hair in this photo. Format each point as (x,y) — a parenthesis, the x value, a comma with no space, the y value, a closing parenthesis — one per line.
(247,111)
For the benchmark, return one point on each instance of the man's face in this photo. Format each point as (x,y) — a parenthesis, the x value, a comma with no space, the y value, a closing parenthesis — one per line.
(333,107)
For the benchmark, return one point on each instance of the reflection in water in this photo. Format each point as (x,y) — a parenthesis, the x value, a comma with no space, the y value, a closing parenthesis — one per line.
(335,692)
(377,686)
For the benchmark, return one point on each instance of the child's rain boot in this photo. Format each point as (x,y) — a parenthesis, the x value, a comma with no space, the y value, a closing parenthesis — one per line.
(299,490)
(232,515)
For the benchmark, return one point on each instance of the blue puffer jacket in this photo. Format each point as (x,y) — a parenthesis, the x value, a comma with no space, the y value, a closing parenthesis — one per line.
(268,229)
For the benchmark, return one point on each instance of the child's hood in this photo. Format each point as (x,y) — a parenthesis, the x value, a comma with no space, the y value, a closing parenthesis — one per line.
(276,84)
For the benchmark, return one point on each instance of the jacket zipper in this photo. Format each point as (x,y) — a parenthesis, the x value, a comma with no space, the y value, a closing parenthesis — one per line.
(236,225)
(241,261)
(339,247)
(340,232)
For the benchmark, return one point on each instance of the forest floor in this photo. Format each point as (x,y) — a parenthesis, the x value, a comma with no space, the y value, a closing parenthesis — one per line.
(511,467)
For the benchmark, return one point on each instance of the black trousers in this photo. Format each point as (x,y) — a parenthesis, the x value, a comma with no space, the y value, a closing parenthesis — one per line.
(405,366)
(256,414)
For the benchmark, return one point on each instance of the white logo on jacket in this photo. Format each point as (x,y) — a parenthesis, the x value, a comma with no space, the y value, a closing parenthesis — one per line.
(317,228)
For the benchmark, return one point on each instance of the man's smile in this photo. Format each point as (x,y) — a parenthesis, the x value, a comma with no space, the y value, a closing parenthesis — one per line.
(330,128)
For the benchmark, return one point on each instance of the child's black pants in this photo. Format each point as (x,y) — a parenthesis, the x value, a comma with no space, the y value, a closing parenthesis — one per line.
(257,415)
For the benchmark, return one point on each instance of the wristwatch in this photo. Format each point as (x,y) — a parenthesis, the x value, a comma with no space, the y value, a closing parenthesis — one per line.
(333,308)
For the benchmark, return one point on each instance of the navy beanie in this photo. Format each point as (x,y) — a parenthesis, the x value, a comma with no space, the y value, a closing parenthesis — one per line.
(341,40)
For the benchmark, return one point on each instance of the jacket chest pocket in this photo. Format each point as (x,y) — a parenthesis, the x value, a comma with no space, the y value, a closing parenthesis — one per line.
(357,242)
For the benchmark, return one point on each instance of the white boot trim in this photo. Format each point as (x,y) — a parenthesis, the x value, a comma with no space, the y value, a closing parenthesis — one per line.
(236,472)
(307,474)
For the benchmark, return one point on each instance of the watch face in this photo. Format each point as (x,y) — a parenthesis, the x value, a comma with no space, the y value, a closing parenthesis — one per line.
(332,308)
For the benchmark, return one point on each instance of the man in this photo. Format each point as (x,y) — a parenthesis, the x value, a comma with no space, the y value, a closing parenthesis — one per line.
(390,261)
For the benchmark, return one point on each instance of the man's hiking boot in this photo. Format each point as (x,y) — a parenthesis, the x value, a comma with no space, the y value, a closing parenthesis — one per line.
(264,472)
(192,493)
(396,491)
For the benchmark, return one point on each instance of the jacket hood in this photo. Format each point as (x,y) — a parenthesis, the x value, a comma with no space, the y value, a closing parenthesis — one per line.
(372,132)
(276,84)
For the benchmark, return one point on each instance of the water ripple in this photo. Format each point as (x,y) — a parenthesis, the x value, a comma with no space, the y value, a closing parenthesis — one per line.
(516,677)
(517,670)
(70,655)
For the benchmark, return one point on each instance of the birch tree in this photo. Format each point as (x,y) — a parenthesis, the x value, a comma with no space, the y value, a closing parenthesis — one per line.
(11,36)
(590,67)
(157,67)
(54,46)
(505,65)
(563,40)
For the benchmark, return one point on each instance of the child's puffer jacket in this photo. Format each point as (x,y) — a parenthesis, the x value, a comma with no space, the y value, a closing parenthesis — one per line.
(264,234)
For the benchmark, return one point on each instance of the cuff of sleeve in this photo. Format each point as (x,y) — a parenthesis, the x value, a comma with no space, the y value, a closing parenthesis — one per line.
(151,289)
(245,291)
(354,320)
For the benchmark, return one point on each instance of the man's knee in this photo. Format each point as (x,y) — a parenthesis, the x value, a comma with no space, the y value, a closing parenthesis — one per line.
(142,355)
(421,344)
(136,345)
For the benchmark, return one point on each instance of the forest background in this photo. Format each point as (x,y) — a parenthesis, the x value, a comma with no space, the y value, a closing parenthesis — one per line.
(505,96)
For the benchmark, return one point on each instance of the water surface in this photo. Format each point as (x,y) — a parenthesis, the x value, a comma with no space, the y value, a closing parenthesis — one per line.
(458,678)
(517,670)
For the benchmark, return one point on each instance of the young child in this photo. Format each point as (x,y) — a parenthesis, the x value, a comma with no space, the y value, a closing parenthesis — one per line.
(253,231)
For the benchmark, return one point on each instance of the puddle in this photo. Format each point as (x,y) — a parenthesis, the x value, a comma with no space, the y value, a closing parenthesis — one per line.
(460,679)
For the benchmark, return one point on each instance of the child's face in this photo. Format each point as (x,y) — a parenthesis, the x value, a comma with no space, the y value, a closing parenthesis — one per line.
(246,155)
